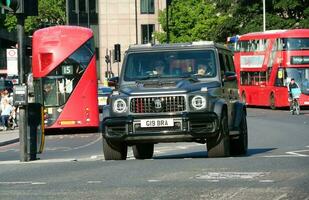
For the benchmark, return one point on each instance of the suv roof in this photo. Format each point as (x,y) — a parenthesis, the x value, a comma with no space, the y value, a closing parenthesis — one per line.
(188,45)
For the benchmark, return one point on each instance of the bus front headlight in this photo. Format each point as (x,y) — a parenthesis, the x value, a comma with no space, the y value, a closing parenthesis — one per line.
(120,106)
(198,102)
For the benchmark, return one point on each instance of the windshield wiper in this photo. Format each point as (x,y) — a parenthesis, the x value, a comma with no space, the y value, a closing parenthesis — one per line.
(190,77)
(152,76)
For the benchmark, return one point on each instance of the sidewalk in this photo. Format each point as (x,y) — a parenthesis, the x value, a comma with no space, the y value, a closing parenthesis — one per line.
(9,137)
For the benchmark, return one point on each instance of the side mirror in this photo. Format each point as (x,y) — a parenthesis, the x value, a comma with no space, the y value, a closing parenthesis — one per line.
(112,82)
(229,76)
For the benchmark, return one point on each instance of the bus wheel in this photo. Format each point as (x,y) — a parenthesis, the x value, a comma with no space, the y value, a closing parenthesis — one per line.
(243,98)
(143,151)
(219,146)
(239,146)
(272,101)
(114,150)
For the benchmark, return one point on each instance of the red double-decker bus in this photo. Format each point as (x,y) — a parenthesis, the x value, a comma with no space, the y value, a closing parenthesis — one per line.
(64,77)
(265,63)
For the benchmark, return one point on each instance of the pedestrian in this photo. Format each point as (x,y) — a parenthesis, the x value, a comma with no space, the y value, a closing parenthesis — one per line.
(292,85)
(5,114)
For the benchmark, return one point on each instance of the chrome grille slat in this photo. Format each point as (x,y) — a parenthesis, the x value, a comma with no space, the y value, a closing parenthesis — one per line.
(146,104)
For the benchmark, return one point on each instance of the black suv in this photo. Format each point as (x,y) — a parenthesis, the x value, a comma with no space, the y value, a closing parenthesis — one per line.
(175,93)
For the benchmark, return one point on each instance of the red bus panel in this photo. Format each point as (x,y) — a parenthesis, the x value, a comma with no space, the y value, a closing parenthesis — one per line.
(65,79)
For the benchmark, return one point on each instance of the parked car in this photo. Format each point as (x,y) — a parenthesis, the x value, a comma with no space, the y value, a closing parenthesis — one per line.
(103,94)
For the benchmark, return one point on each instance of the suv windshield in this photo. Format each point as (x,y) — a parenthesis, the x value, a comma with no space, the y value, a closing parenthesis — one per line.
(170,64)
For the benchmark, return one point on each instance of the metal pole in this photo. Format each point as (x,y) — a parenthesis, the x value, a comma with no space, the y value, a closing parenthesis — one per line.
(23,136)
(264,16)
(107,73)
(118,68)
(136,26)
(110,64)
(167,28)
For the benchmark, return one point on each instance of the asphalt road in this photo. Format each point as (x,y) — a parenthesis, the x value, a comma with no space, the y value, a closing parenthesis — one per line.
(73,167)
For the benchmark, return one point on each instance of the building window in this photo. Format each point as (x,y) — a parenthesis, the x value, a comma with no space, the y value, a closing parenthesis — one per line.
(147,30)
(147,7)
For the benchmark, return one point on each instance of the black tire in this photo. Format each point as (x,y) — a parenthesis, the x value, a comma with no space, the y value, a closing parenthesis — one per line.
(114,150)
(239,146)
(219,146)
(272,101)
(143,151)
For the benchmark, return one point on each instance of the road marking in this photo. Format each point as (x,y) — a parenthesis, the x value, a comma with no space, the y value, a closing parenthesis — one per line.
(281,197)
(86,145)
(153,181)
(230,175)
(266,181)
(94,182)
(22,183)
(297,153)
(236,193)
(72,148)
(294,154)
(213,181)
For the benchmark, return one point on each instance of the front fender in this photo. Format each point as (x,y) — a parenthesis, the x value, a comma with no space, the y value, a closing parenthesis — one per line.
(218,107)
(105,114)
(239,111)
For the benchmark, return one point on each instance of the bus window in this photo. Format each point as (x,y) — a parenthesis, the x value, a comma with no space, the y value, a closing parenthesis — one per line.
(253,78)
(50,92)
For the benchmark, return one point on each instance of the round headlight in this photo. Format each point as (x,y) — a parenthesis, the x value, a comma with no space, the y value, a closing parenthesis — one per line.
(198,102)
(120,106)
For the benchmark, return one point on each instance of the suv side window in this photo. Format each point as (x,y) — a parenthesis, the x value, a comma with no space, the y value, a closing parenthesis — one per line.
(230,62)
(223,67)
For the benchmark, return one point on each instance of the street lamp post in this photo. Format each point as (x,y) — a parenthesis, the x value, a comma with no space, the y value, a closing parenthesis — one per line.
(264,16)
(168,2)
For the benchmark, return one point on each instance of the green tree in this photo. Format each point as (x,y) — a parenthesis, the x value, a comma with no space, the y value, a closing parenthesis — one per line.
(192,20)
(51,12)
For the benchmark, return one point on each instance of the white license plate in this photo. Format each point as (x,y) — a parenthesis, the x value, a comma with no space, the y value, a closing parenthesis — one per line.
(306,102)
(157,122)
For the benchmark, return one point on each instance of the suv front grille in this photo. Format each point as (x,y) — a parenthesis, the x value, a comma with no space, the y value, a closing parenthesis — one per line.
(158,104)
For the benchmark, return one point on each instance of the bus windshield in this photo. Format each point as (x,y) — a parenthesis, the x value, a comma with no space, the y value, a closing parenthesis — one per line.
(301,76)
(59,84)
(170,64)
(294,43)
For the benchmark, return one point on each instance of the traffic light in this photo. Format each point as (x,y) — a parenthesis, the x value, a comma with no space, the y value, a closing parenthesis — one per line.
(107,59)
(117,53)
(26,7)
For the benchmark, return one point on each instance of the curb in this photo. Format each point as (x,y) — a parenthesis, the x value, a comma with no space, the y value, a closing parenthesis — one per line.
(9,142)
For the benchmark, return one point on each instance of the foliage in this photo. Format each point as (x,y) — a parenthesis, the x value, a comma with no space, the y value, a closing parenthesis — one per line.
(51,12)
(193,20)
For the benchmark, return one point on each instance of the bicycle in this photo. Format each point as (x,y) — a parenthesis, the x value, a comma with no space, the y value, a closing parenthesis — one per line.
(295,104)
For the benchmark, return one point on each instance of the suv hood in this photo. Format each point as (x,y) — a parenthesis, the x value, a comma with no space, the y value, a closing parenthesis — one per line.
(166,87)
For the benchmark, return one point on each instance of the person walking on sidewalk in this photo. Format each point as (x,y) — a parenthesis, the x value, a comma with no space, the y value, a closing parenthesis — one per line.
(5,114)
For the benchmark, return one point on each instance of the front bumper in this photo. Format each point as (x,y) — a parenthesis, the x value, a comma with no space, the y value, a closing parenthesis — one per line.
(186,127)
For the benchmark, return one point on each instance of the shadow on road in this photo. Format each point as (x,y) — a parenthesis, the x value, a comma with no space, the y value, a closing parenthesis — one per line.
(203,154)
(252,152)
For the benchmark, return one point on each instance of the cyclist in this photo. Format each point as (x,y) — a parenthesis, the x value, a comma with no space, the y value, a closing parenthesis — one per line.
(292,85)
